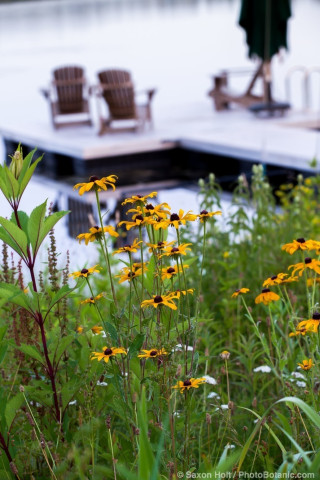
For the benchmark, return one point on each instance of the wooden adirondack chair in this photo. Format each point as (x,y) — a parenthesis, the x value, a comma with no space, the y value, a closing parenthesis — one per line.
(116,89)
(68,95)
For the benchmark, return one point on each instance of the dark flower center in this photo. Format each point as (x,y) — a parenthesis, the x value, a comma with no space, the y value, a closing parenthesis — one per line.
(108,351)
(170,270)
(265,290)
(93,178)
(149,206)
(84,270)
(238,290)
(139,196)
(160,244)
(96,227)
(153,353)
(131,274)
(127,246)
(174,249)
(274,277)
(186,383)
(316,316)
(204,212)
(174,216)
(307,260)
(91,298)
(139,217)
(301,240)
(158,299)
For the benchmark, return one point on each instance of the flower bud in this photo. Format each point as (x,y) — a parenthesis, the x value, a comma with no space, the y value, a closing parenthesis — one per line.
(16,163)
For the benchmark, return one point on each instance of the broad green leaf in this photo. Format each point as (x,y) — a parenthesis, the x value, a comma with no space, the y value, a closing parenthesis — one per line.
(111,330)
(136,344)
(13,294)
(60,294)
(3,332)
(25,180)
(23,220)
(26,164)
(48,224)
(31,351)
(35,226)
(3,350)
(3,184)
(5,237)
(146,458)
(16,234)
(12,183)
(12,407)
(62,347)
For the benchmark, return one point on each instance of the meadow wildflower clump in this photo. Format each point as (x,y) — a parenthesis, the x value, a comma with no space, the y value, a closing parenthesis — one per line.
(191,345)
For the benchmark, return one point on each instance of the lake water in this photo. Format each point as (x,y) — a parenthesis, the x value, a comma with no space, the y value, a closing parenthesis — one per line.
(175,45)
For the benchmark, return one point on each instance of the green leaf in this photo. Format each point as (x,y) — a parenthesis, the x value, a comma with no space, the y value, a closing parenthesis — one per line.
(3,184)
(17,236)
(13,294)
(26,164)
(3,332)
(31,351)
(62,346)
(146,458)
(136,344)
(62,293)
(23,220)
(49,223)
(12,183)
(3,350)
(26,178)
(35,226)
(11,408)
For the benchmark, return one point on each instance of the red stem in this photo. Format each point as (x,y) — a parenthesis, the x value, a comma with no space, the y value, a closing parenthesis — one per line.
(6,450)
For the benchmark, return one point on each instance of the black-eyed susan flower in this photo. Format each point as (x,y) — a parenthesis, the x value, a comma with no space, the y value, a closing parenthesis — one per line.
(181,218)
(204,215)
(96,233)
(312,281)
(300,244)
(239,292)
(107,353)
(96,330)
(225,355)
(96,183)
(160,211)
(176,251)
(266,297)
(306,364)
(159,300)
(153,353)
(79,330)
(178,293)
(85,272)
(137,221)
(139,198)
(92,300)
(130,248)
(190,383)
(127,274)
(309,263)
(310,325)
(169,272)
(159,246)
(275,280)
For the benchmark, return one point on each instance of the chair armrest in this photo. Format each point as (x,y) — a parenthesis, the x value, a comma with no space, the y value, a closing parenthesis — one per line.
(45,92)
(150,92)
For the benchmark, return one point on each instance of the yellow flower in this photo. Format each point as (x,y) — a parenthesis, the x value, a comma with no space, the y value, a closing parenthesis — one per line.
(191,383)
(96,330)
(239,291)
(152,353)
(266,297)
(177,219)
(225,355)
(310,263)
(169,272)
(178,293)
(137,221)
(300,244)
(310,325)
(158,300)
(139,198)
(226,254)
(312,281)
(79,329)
(204,215)
(160,211)
(275,280)
(133,248)
(159,246)
(92,300)
(306,364)
(96,183)
(174,251)
(95,233)
(107,352)
(85,272)
(127,275)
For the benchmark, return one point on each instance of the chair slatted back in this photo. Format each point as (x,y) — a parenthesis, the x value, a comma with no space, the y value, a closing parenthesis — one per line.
(69,83)
(118,91)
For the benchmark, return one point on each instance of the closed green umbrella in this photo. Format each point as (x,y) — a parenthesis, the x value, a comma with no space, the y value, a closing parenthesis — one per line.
(265,23)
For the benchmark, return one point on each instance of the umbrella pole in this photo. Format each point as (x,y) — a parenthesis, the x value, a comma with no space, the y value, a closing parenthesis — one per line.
(267,81)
